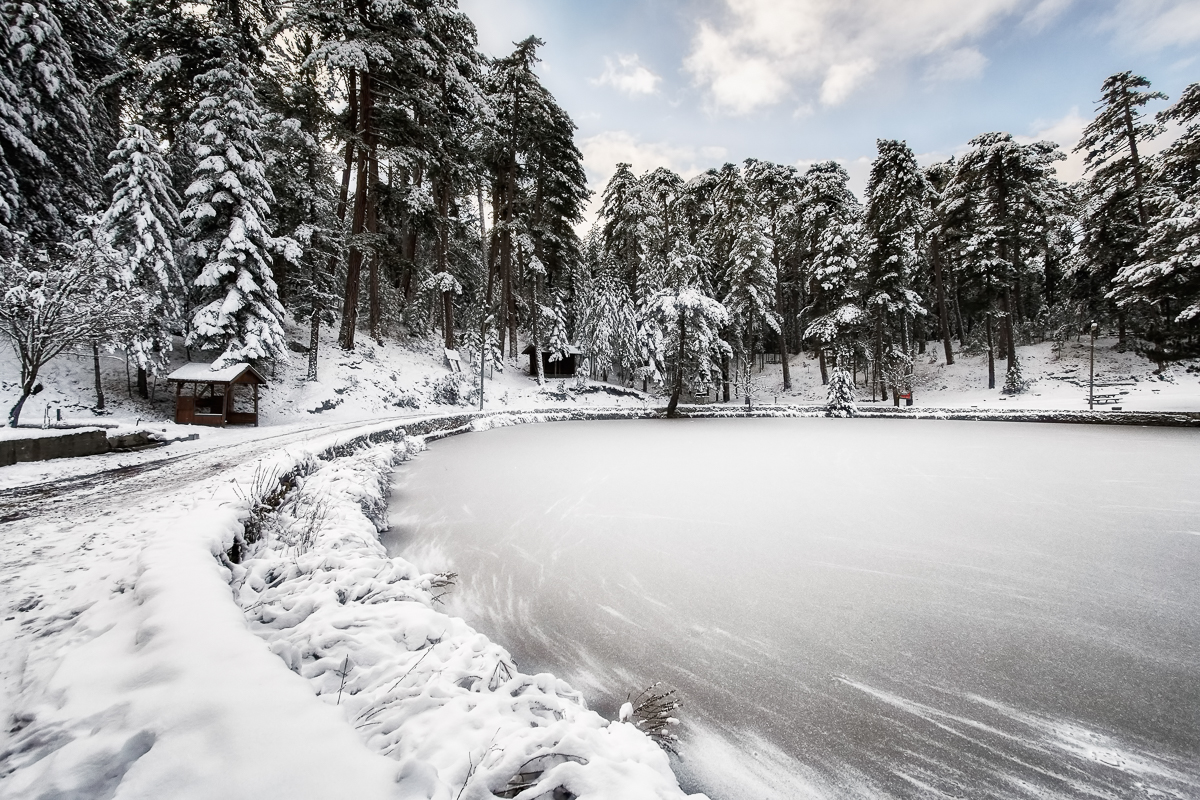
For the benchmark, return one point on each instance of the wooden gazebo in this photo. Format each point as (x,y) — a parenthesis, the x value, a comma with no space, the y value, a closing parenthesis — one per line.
(205,396)
(561,368)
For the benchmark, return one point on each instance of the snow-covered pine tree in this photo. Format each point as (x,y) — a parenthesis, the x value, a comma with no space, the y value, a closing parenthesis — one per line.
(750,299)
(559,340)
(167,46)
(48,179)
(142,224)
(893,223)
(1013,193)
(226,221)
(1118,199)
(839,397)
(830,257)
(836,276)
(691,322)
(775,193)
(90,29)
(300,170)
(1163,285)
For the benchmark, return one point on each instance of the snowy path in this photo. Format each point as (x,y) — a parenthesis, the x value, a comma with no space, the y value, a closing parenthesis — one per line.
(849,608)
(74,545)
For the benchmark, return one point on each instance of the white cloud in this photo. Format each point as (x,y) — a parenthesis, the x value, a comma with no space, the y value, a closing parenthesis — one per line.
(602,153)
(842,79)
(964,64)
(1045,12)
(1154,24)
(763,51)
(628,75)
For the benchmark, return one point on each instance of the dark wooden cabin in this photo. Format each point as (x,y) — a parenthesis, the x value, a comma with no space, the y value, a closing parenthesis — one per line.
(207,396)
(562,368)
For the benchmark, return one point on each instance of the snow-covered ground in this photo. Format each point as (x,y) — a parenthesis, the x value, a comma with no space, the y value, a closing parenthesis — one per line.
(1057,380)
(849,608)
(129,669)
(126,666)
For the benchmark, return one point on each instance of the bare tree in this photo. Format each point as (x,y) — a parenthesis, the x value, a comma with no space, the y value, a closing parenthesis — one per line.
(52,304)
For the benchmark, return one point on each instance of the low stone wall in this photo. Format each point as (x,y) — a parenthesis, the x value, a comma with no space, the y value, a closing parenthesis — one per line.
(44,448)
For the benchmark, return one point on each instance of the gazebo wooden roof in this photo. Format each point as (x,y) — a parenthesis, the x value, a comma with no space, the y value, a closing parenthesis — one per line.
(205,396)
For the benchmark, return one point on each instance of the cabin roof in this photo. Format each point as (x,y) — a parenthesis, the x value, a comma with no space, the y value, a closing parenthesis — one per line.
(571,350)
(205,373)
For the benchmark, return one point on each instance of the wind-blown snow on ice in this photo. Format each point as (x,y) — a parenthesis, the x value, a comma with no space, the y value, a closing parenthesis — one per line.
(418,685)
(850,608)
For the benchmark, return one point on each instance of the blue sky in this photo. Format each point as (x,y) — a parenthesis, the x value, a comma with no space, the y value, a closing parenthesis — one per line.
(691,85)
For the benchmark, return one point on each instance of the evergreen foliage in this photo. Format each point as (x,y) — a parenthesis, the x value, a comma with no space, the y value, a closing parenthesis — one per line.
(334,157)
(142,224)
(226,222)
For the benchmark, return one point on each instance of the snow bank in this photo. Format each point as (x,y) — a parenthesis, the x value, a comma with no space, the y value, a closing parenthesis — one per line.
(418,685)
(163,691)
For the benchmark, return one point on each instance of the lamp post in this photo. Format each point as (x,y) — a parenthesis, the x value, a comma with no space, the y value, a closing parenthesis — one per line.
(1092,370)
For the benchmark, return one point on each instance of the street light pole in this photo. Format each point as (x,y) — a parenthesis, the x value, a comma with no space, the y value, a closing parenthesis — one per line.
(1092,370)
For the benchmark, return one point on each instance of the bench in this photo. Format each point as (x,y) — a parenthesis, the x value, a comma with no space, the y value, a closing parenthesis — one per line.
(1106,399)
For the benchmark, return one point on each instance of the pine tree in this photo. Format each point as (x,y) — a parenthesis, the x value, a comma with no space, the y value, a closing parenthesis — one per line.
(839,397)
(893,224)
(226,222)
(830,253)
(559,345)
(142,223)
(1117,211)
(300,170)
(750,299)
(1163,285)
(1013,194)
(691,322)
(48,179)
(775,193)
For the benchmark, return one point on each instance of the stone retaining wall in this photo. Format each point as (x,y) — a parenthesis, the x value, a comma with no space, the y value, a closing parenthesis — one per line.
(44,448)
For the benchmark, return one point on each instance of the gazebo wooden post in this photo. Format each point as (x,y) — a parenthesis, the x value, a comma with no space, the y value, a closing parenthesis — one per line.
(256,405)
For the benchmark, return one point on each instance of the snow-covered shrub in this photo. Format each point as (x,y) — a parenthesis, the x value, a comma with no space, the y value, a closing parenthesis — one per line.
(1014,381)
(453,389)
(422,687)
(839,399)
(652,712)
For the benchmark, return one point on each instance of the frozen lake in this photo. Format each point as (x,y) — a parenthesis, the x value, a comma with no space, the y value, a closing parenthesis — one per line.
(848,608)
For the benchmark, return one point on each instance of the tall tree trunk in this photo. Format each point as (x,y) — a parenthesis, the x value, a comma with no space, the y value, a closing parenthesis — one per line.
(358,221)
(1009,329)
(725,377)
(99,385)
(28,383)
(991,353)
(314,340)
(677,389)
(448,318)
(1131,136)
(958,317)
(943,312)
(374,309)
(533,324)
(783,338)
(824,366)
(317,309)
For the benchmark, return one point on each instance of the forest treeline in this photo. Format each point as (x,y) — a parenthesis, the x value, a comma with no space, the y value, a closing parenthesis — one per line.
(179,173)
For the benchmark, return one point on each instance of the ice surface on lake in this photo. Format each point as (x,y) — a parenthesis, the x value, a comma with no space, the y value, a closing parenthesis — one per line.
(849,608)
